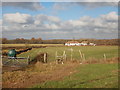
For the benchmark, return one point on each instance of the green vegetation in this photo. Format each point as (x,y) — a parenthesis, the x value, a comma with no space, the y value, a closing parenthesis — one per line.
(70,74)
(95,52)
(87,76)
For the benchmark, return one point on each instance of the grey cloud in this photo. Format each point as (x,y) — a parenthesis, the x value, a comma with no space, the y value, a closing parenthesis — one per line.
(96,4)
(24,5)
(89,4)
(43,18)
(62,5)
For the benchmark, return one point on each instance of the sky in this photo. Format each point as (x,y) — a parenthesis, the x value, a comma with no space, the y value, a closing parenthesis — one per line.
(59,20)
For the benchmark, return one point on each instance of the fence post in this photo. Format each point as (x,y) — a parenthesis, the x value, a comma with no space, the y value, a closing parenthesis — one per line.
(28,59)
(80,55)
(45,57)
(104,57)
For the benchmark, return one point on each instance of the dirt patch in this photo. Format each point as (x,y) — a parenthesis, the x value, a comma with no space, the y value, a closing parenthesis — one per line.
(37,74)
(11,68)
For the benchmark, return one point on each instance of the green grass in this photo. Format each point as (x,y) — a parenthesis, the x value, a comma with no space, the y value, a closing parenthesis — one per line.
(87,76)
(96,52)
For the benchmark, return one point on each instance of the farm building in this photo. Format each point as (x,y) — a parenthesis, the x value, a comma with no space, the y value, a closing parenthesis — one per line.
(84,43)
(72,43)
(92,44)
(76,43)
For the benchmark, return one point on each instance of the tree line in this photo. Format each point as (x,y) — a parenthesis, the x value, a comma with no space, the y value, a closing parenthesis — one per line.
(59,41)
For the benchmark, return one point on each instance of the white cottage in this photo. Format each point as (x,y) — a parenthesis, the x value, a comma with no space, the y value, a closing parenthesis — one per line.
(92,44)
(76,43)
(84,43)
(72,43)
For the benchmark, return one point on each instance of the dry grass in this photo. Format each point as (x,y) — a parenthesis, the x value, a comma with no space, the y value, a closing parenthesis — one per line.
(101,61)
(36,74)
(39,72)
(24,45)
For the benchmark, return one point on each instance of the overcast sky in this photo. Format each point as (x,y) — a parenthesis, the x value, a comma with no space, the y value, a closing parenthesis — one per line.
(60,20)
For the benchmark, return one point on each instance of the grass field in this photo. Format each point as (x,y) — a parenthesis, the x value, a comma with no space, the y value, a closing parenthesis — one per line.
(87,76)
(70,74)
(19,45)
(90,52)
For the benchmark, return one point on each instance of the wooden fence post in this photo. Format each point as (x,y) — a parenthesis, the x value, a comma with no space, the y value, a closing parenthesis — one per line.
(45,58)
(81,55)
(104,57)
(28,59)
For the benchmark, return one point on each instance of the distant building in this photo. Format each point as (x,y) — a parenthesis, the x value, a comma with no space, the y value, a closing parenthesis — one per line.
(76,43)
(84,43)
(92,44)
(72,43)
